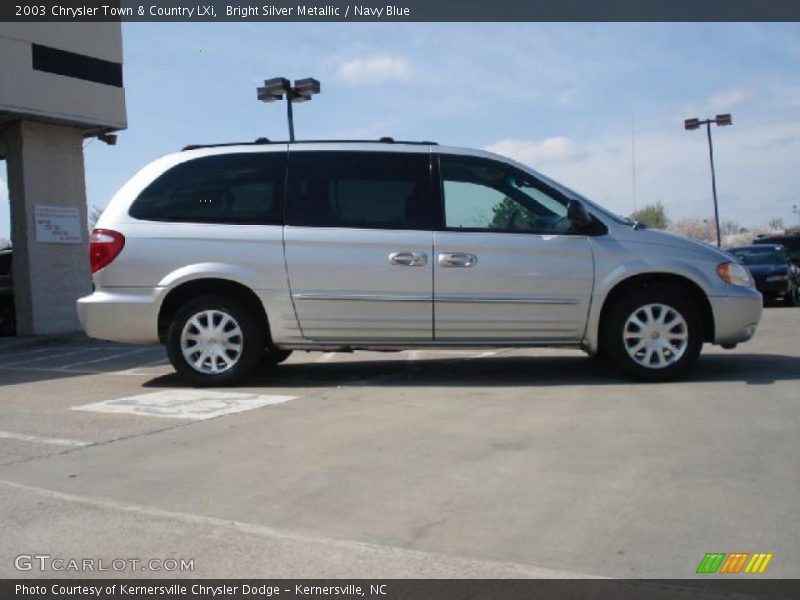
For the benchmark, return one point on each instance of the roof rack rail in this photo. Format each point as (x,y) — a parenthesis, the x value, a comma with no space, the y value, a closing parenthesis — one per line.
(258,141)
(263,140)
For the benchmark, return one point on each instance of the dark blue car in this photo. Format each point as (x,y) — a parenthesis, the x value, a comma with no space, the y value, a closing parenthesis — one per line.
(774,274)
(7,325)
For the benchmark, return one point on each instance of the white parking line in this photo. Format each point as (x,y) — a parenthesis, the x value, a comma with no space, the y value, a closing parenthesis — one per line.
(104,358)
(36,439)
(481,355)
(326,357)
(142,369)
(7,343)
(391,553)
(29,352)
(76,371)
(56,354)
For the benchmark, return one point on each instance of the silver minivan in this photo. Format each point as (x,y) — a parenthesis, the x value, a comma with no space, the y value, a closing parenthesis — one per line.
(235,255)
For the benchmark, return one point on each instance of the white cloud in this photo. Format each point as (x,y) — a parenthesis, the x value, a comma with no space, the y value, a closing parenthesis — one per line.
(751,163)
(551,150)
(728,99)
(374,69)
(718,102)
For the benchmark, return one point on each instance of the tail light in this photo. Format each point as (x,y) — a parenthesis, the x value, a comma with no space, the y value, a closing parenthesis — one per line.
(104,246)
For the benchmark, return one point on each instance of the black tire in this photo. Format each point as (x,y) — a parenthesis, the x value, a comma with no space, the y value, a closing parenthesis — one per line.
(791,298)
(252,341)
(8,326)
(599,356)
(616,347)
(274,356)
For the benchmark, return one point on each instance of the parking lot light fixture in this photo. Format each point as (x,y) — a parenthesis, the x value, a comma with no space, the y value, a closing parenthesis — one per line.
(276,88)
(721,121)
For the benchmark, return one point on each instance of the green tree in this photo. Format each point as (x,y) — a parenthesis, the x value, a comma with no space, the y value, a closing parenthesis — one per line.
(652,215)
(510,215)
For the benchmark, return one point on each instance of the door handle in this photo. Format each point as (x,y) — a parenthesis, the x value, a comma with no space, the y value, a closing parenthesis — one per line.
(409,259)
(458,259)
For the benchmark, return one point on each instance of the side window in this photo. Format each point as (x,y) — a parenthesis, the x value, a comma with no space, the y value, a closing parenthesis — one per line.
(485,195)
(370,190)
(228,188)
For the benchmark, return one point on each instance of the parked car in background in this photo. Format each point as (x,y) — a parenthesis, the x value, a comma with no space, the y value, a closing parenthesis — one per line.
(7,321)
(775,275)
(790,242)
(235,255)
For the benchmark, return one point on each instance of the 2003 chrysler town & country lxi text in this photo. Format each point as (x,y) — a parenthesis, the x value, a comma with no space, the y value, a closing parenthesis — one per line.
(234,255)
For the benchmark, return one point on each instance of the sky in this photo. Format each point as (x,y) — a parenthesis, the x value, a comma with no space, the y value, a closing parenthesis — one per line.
(584,103)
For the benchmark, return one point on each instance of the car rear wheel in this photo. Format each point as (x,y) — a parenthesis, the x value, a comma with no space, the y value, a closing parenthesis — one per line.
(654,335)
(214,341)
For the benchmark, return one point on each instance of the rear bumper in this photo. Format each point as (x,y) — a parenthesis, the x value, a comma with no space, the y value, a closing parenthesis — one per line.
(736,316)
(127,315)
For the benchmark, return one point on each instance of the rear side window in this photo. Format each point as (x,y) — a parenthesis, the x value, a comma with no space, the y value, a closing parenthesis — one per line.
(371,190)
(228,188)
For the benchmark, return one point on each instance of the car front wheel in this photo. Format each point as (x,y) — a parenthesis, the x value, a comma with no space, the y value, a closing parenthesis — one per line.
(654,335)
(215,341)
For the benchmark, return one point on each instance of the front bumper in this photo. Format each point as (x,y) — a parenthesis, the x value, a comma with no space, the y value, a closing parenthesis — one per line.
(773,288)
(127,315)
(736,316)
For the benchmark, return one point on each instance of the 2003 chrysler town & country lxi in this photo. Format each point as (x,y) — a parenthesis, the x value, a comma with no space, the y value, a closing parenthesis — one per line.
(235,255)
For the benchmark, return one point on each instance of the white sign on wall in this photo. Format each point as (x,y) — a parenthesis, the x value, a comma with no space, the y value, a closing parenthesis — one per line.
(58,224)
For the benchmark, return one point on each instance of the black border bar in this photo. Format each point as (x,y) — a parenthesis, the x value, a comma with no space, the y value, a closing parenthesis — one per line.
(401,10)
(712,588)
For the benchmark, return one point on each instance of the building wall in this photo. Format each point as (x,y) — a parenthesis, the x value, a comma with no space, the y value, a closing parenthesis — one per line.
(55,90)
(25,90)
(45,166)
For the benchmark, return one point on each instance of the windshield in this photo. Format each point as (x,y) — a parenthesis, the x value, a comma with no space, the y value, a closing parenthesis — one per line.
(570,193)
(759,256)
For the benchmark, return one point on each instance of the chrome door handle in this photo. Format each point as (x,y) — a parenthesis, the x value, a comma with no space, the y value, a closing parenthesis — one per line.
(458,259)
(409,259)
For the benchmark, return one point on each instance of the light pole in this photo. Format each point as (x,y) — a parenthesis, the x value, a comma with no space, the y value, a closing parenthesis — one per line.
(302,90)
(720,120)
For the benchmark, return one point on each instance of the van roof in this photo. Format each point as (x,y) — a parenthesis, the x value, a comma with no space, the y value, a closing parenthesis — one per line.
(263,140)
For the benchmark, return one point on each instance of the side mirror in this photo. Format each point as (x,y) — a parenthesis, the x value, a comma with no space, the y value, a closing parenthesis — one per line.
(577,214)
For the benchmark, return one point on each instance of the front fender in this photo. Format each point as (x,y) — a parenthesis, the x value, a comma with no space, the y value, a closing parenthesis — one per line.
(617,262)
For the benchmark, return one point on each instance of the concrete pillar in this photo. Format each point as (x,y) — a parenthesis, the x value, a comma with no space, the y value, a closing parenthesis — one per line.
(45,167)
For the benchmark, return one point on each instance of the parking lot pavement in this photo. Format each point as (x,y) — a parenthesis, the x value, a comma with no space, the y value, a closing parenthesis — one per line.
(510,463)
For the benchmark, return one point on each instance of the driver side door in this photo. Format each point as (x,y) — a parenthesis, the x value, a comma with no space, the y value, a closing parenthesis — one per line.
(506,265)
